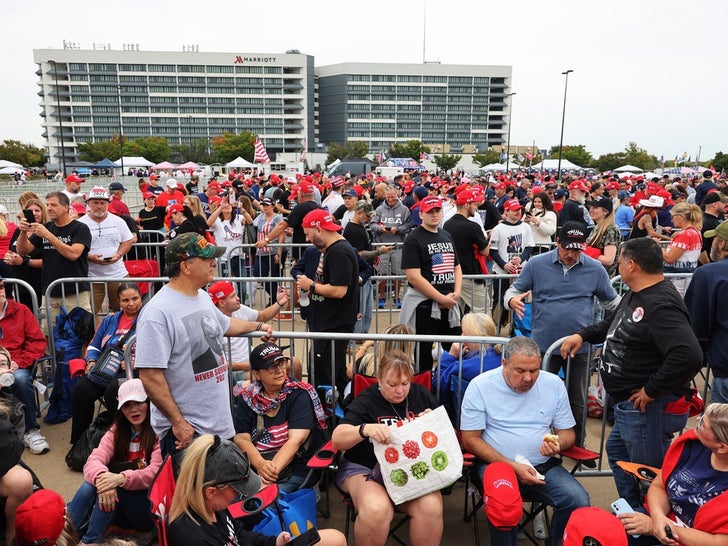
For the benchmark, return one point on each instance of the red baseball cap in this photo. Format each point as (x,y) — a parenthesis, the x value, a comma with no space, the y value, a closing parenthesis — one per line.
(305,187)
(595,526)
(321,219)
(149,195)
(40,519)
(512,204)
(465,197)
(74,178)
(501,496)
(177,207)
(430,202)
(500,186)
(214,186)
(579,185)
(220,290)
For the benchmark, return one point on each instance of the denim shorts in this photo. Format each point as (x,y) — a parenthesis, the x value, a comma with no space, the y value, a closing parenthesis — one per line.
(347,469)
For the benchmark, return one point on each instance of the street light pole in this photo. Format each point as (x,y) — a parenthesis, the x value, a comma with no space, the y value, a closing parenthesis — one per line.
(121,132)
(60,118)
(508,145)
(563,118)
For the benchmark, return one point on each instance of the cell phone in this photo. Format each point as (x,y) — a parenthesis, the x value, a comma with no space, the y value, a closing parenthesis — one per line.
(621,506)
(668,532)
(107,259)
(306,539)
(29,216)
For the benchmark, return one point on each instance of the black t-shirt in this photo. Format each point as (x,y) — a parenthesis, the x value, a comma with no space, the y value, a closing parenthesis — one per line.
(709,222)
(465,234)
(341,268)
(434,255)
(295,412)
(56,266)
(572,211)
(371,407)
(152,220)
(295,219)
(226,531)
(490,215)
(358,237)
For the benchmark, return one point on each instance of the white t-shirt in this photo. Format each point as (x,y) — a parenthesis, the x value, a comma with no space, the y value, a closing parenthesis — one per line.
(106,236)
(228,235)
(240,346)
(510,240)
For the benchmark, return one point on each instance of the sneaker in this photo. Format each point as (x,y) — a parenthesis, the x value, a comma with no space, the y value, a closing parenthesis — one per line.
(382,303)
(539,526)
(35,441)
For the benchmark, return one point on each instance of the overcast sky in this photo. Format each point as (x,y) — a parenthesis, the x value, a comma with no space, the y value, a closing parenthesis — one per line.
(648,71)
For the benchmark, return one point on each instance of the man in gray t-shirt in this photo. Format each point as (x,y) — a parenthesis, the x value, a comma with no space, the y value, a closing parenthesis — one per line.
(179,351)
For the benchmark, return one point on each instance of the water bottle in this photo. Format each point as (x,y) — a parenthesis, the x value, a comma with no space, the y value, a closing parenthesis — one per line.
(7,380)
(303,299)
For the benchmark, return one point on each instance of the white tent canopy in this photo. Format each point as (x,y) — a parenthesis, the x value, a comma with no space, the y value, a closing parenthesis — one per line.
(499,167)
(239,163)
(628,169)
(5,163)
(134,162)
(12,170)
(553,164)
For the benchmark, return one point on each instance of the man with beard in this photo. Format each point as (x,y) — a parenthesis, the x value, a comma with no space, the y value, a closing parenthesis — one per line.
(334,296)
(179,352)
(574,210)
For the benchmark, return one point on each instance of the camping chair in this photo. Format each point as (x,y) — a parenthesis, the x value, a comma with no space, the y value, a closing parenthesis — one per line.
(42,374)
(160,495)
(642,474)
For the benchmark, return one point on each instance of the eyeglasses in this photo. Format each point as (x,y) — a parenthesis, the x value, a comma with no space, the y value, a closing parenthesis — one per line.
(279,364)
(701,427)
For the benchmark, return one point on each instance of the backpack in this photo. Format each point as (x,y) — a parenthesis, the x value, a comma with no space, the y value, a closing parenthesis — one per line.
(71,333)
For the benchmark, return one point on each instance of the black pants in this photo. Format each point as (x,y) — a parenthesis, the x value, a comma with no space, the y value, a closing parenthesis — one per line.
(83,399)
(324,372)
(425,324)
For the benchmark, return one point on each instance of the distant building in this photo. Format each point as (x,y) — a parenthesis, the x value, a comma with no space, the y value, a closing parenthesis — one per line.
(90,95)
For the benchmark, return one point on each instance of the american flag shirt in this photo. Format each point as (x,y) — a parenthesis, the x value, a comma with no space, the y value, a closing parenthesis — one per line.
(434,255)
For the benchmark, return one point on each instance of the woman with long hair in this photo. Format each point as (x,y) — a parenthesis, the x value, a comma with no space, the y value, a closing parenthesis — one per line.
(268,259)
(229,227)
(605,238)
(185,221)
(213,473)
(112,331)
(119,471)
(541,217)
(366,363)
(28,267)
(681,255)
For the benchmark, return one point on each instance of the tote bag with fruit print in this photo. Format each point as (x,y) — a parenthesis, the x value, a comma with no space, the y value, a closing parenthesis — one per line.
(423,455)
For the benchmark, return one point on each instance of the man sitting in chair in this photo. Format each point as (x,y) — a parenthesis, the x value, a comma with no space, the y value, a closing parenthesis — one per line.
(517,411)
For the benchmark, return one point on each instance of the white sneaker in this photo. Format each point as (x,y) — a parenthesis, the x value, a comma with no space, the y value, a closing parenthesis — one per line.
(539,526)
(35,441)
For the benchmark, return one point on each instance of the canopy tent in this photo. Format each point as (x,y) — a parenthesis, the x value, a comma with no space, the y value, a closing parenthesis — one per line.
(553,165)
(5,163)
(628,169)
(134,162)
(79,164)
(498,167)
(12,170)
(163,166)
(681,170)
(105,163)
(239,163)
(649,174)
(404,162)
(189,165)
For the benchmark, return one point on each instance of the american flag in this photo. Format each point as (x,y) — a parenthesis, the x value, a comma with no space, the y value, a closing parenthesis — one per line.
(261,156)
(443,262)
(529,156)
(273,437)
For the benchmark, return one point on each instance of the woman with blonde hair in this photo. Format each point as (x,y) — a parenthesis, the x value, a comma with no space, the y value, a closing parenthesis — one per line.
(213,473)
(366,362)
(605,238)
(681,255)
(195,205)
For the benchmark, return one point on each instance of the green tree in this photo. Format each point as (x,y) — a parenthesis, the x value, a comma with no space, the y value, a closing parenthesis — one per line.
(155,149)
(636,156)
(96,151)
(228,146)
(334,151)
(720,161)
(22,153)
(576,154)
(608,162)
(411,149)
(486,158)
(196,151)
(446,162)
(352,148)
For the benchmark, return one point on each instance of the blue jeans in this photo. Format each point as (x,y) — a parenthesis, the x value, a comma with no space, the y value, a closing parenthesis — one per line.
(719,390)
(365,308)
(132,511)
(641,438)
(562,492)
(24,391)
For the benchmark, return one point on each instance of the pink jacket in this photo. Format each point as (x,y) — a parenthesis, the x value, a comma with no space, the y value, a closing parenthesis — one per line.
(133,479)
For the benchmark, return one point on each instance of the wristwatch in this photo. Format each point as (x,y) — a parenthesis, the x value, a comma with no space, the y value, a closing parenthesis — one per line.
(361,431)
(312,288)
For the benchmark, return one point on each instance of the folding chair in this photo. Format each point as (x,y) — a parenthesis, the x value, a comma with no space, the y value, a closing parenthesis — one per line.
(642,474)
(475,493)
(160,495)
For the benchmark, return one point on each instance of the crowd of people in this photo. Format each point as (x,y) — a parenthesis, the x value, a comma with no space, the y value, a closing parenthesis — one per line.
(554,246)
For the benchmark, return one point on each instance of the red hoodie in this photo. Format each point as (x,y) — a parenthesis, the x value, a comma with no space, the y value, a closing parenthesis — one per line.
(22,335)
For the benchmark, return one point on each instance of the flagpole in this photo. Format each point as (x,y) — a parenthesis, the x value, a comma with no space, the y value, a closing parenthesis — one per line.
(424,29)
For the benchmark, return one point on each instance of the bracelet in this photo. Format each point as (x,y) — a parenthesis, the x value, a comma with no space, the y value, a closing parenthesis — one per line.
(312,288)
(361,431)
(259,327)
(26,260)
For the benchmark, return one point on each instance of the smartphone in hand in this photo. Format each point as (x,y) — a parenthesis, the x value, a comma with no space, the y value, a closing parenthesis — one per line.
(306,539)
(29,216)
(621,506)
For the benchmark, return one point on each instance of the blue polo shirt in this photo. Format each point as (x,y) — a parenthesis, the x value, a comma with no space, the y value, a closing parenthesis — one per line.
(563,298)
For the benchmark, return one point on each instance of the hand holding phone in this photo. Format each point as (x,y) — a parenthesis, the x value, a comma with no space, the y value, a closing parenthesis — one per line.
(29,216)
(306,539)
(621,506)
